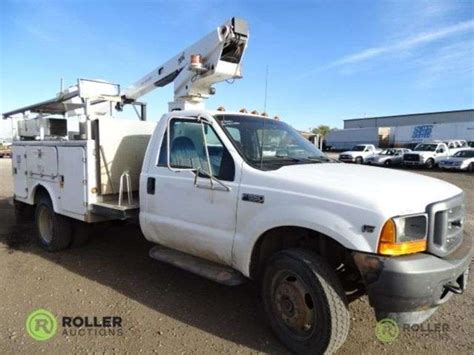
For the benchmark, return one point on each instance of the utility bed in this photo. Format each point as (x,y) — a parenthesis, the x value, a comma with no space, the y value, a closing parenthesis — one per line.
(83,177)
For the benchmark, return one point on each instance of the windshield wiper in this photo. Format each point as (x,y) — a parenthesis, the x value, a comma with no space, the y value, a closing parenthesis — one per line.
(320,159)
(279,158)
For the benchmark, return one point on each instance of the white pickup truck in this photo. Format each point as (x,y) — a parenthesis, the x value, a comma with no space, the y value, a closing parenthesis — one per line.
(215,205)
(427,154)
(235,197)
(359,153)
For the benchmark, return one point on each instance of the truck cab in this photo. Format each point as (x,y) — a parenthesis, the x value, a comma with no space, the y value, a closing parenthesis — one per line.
(249,193)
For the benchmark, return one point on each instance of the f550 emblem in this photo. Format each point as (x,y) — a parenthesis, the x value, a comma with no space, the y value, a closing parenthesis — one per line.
(253,198)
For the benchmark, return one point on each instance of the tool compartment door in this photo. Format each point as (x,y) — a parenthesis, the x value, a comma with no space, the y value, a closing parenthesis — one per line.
(72,179)
(42,162)
(20,177)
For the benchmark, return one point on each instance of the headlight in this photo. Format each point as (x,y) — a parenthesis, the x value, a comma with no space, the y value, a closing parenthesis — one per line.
(404,235)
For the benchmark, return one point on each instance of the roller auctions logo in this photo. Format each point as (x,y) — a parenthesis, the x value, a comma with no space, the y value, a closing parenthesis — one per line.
(387,330)
(41,325)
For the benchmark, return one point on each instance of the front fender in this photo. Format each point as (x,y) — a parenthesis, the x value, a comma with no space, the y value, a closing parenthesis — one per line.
(345,227)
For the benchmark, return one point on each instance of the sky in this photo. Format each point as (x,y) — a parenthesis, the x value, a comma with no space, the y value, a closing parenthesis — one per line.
(327,60)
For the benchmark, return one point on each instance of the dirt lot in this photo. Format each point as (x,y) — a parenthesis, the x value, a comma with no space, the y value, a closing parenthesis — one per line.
(166,310)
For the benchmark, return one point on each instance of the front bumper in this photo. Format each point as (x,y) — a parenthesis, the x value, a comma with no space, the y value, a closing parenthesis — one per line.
(452,167)
(410,288)
(414,163)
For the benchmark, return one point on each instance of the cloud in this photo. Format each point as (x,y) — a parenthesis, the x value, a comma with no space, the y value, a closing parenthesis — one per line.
(403,45)
(452,63)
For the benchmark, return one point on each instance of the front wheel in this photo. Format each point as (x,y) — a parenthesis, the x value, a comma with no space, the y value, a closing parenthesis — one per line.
(430,164)
(359,160)
(305,302)
(388,163)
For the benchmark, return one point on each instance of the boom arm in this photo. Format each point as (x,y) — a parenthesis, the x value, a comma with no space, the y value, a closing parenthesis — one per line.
(214,58)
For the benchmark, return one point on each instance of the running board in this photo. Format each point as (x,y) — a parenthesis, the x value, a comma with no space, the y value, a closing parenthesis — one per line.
(212,271)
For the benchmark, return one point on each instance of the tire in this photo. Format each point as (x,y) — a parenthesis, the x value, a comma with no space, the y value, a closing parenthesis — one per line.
(388,163)
(305,303)
(470,168)
(359,160)
(430,163)
(54,230)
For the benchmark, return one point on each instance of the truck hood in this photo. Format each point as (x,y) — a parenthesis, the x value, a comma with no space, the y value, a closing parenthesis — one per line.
(422,152)
(391,192)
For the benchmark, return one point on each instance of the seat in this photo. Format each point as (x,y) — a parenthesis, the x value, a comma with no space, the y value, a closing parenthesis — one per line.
(184,154)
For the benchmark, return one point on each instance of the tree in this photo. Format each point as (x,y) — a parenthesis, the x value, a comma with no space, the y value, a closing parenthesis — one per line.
(322,130)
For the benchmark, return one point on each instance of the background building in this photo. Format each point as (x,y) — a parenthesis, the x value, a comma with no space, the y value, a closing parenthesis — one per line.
(412,119)
(404,130)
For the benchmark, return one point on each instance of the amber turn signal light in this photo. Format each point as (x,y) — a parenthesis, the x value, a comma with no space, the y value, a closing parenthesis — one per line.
(388,242)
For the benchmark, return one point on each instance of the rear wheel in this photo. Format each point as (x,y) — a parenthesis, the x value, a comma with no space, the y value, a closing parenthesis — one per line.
(54,230)
(305,303)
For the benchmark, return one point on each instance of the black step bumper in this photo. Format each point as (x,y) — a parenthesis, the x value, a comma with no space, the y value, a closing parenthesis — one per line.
(410,288)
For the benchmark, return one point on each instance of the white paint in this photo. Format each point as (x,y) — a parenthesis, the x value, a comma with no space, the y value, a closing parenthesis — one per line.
(334,199)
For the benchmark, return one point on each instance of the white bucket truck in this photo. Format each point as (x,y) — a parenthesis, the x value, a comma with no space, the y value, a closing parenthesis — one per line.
(233,196)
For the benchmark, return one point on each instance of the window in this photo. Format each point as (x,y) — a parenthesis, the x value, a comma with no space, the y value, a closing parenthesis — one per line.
(188,149)
(268,144)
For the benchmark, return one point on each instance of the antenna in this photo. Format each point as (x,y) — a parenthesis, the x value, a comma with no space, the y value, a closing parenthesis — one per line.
(266,90)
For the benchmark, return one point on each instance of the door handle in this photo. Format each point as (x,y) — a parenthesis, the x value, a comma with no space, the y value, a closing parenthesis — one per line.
(150,186)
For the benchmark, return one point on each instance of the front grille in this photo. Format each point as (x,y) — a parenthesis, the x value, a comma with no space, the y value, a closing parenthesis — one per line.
(411,157)
(446,220)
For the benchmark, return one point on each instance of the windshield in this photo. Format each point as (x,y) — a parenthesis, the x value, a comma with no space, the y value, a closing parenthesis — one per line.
(269,144)
(426,147)
(464,154)
(388,152)
(358,148)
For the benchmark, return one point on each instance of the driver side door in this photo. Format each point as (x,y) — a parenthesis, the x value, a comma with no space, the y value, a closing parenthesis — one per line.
(197,219)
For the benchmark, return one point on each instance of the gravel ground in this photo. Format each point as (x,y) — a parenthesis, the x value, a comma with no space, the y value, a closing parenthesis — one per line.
(169,311)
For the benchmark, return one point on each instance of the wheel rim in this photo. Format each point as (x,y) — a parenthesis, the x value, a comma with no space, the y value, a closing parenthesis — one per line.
(45,224)
(293,305)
